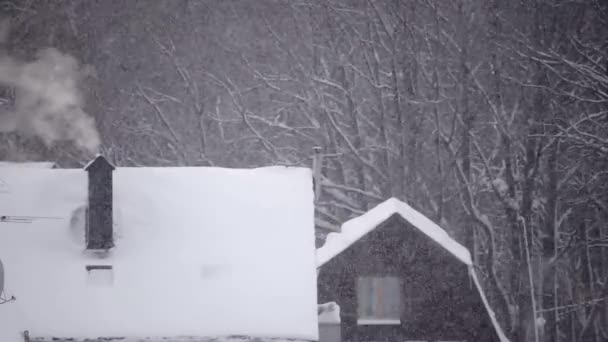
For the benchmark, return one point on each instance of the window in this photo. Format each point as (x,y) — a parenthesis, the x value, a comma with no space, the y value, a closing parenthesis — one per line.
(379,300)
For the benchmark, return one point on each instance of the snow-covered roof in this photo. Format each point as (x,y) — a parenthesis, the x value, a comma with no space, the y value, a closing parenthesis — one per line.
(356,228)
(201,252)
(36,165)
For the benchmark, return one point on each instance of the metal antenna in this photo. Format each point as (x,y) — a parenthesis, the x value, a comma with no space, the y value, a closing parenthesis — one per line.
(317,163)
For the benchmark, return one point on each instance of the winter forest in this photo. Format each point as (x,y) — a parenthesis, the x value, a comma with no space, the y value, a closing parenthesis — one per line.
(490,117)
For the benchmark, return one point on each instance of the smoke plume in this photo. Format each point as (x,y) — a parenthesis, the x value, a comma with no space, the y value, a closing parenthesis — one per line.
(47,101)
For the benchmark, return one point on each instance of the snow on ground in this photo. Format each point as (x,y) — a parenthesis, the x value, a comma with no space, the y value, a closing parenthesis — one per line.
(199,252)
(329,313)
(354,229)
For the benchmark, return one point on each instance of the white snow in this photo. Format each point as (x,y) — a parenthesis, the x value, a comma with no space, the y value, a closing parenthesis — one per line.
(36,165)
(101,277)
(200,252)
(354,229)
(329,313)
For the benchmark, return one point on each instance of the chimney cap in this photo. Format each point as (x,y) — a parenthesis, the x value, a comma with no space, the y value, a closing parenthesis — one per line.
(98,163)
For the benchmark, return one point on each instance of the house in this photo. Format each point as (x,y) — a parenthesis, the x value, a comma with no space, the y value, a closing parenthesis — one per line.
(158,254)
(397,276)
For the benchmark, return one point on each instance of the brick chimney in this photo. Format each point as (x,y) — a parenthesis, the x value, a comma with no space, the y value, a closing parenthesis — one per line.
(99,230)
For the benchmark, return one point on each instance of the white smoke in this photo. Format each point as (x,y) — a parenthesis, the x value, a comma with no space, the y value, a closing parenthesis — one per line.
(48,103)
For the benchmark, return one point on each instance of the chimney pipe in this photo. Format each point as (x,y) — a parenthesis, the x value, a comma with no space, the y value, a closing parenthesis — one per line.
(99,225)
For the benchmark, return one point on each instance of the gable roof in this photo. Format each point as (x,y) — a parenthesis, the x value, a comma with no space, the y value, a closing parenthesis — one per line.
(355,229)
(100,162)
(201,252)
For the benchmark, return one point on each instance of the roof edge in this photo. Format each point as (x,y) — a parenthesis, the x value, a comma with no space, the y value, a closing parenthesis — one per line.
(228,338)
(501,335)
(29,164)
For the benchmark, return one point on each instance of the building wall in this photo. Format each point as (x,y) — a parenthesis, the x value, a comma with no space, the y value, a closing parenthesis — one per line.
(444,304)
(330,332)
